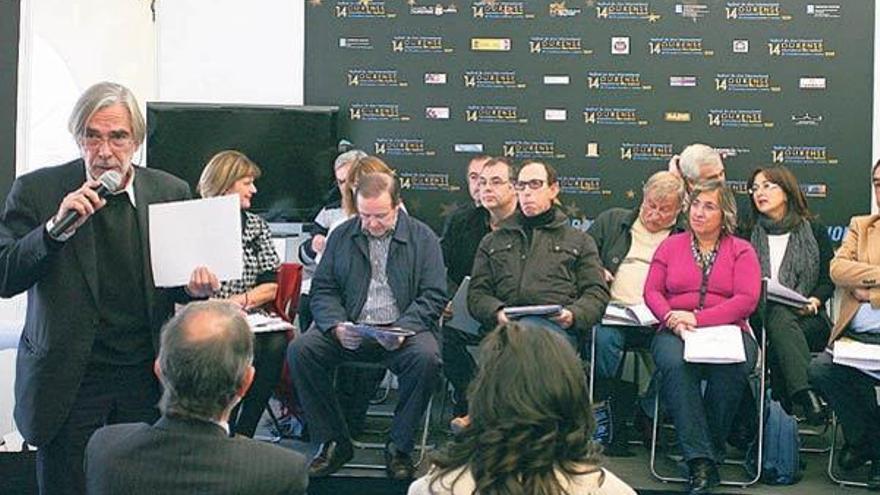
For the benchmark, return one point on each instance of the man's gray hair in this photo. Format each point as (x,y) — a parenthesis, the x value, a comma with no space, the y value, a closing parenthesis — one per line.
(348,158)
(99,97)
(202,371)
(665,183)
(694,157)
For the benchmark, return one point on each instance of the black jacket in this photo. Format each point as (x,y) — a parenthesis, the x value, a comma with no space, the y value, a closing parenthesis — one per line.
(61,281)
(612,231)
(561,266)
(462,234)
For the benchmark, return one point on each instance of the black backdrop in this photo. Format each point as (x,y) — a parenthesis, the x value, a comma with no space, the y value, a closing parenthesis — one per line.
(424,85)
(9,19)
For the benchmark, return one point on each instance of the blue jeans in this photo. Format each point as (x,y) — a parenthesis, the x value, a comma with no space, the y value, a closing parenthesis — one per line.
(613,341)
(702,420)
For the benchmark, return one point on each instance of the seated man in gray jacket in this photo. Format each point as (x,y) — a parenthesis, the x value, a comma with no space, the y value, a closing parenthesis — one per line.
(205,366)
(535,258)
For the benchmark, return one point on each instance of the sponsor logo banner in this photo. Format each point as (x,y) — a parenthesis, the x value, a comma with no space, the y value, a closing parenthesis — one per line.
(661,152)
(799,47)
(740,46)
(737,186)
(807,119)
(631,81)
(581,185)
(727,152)
(556,80)
(693,11)
(375,78)
(435,78)
(494,114)
(755,11)
(618,11)
(745,82)
(592,150)
(435,10)
(678,46)
(555,114)
(363,43)
(520,149)
(557,45)
(802,155)
(812,83)
(468,147)
(613,116)
(376,111)
(620,45)
(814,190)
(823,11)
(437,113)
(490,44)
(683,81)
(356,9)
(426,181)
(401,147)
(500,10)
(492,79)
(737,118)
(677,116)
(559,9)
(419,44)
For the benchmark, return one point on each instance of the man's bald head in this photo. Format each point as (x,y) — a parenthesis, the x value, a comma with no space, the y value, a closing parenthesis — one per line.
(204,356)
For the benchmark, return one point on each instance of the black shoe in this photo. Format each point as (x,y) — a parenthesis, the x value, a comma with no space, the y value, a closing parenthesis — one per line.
(852,457)
(874,477)
(330,457)
(398,464)
(703,476)
(815,411)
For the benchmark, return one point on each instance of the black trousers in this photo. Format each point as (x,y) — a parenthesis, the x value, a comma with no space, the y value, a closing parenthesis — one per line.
(459,365)
(790,339)
(314,358)
(269,350)
(853,397)
(107,395)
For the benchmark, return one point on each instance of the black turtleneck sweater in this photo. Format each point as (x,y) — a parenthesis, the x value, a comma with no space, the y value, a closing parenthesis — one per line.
(123,336)
(529,224)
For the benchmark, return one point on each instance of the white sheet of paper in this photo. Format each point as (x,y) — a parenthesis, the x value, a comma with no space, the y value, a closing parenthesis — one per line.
(201,232)
(720,344)
(849,352)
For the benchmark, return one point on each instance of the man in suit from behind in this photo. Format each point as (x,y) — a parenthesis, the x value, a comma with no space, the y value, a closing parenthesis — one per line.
(205,365)
(93,313)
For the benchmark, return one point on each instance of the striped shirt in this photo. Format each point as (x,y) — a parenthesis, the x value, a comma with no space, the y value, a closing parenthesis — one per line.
(380,307)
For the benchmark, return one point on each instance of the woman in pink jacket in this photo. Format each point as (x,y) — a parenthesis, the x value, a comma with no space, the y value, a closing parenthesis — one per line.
(701,278)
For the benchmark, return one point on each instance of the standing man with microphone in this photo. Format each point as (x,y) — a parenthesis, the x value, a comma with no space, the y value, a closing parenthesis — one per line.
(93,317)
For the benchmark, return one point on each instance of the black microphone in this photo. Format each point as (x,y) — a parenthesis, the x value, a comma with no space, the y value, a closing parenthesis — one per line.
(110,182)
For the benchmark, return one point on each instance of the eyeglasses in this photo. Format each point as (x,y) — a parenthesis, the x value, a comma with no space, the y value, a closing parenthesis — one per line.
(533,184)
(764,186)
(116,140)
(708,207)
(494,182)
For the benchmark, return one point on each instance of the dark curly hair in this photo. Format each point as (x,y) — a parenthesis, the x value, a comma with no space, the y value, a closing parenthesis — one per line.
(531,417)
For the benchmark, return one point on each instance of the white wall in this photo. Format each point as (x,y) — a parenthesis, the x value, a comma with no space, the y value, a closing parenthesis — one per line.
(66,46)
(230,51)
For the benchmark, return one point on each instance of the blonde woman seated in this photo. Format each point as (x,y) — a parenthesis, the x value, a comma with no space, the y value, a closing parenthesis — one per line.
(231,172)
(531,424)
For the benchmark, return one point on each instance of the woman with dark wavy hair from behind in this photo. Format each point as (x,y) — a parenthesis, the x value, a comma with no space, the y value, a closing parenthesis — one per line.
(531,424)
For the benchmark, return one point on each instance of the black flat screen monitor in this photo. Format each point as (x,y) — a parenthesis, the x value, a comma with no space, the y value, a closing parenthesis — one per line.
(293,146)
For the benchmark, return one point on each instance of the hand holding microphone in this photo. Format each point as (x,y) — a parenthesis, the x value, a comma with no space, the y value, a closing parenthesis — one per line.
(79,205)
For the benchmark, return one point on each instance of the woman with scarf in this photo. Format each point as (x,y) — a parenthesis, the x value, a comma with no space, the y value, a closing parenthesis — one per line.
(795,251)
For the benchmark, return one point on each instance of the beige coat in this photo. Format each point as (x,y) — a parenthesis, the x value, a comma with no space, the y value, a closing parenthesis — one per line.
(857,264)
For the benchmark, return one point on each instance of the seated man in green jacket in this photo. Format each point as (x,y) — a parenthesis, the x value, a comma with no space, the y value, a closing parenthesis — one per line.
(536,258)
